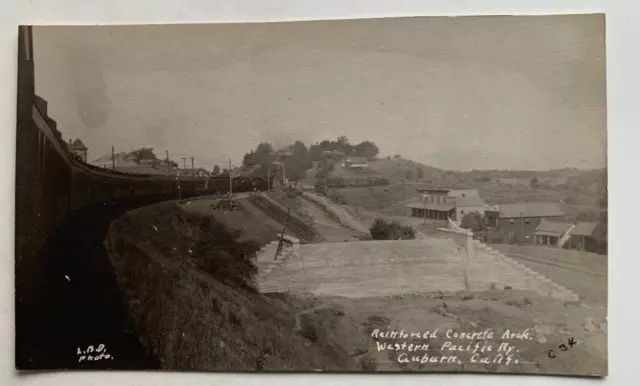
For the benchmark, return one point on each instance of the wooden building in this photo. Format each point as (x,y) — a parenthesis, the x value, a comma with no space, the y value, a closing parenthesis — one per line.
(552,233)
(518,222)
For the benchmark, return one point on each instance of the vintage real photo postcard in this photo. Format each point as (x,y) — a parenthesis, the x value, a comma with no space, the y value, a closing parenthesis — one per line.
(423,194)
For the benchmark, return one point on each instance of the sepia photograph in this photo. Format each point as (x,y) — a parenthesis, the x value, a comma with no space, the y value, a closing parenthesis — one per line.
(411,194)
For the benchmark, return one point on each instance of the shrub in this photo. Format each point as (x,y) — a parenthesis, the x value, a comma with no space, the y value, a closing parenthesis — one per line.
(220,253)
(391,230)
(473,221)
(340,200)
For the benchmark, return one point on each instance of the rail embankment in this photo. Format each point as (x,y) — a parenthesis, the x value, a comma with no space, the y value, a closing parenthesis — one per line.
(338,213)
(188,282)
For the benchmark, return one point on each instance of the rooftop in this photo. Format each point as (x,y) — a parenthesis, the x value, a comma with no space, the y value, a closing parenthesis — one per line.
(537,209)
(430,205)
(463,192)
(552,228)
(472,200)
(584,229)
(77,145)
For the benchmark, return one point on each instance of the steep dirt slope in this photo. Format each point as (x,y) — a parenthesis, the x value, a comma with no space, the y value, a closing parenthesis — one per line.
(190,319)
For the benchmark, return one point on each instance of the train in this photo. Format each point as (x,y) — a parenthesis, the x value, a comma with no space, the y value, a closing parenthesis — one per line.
(52,183)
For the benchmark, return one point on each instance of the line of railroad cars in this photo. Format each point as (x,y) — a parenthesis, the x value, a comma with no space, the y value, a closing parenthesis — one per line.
(93,187)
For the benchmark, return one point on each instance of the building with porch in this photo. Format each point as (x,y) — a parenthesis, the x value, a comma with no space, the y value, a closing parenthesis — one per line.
(588,236)
(432,211)
(519,222)
(442,204)
(552,233)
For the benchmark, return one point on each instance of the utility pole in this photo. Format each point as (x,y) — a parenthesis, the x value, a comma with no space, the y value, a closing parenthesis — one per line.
(230,180)
(178,183)
(193,172)
(113,158)
(281,238)
(168,162)
(184,162)
(284,176)
(521,226)
(425,210)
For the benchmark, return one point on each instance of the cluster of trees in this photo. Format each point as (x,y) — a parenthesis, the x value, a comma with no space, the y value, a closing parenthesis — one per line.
(295,157)
(144,153)
(298,158)
(419,174)
(391,230)
(219,172)
(341,148)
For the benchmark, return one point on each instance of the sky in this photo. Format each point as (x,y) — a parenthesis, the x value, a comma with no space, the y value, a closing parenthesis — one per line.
(459,93)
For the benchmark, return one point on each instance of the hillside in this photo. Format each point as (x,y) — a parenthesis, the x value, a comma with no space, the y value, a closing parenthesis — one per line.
(186,282)
(577,191)
(394,170)
(189,289)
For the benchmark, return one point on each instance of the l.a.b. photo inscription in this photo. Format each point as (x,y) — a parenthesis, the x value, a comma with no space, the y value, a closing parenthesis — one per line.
(423,194)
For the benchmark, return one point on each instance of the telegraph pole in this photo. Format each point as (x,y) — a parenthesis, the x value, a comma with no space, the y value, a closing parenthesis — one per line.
(168,162)
(425,210)
(113,158)
(193,172)
(230,180)
(184,162)
(521,227)
(178,183)
(284,176)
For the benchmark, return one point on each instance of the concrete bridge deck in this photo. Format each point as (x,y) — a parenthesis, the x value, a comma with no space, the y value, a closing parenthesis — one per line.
(362,269)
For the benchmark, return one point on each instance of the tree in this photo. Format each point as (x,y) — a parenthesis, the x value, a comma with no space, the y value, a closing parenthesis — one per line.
(419,173)
(535,184)
(367,149)
(397,156)
(409,175)
(143,153)
(216,169)
(342,145)
(391,230)
(298,162)
(472,221)
(263,157)
(225,173)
